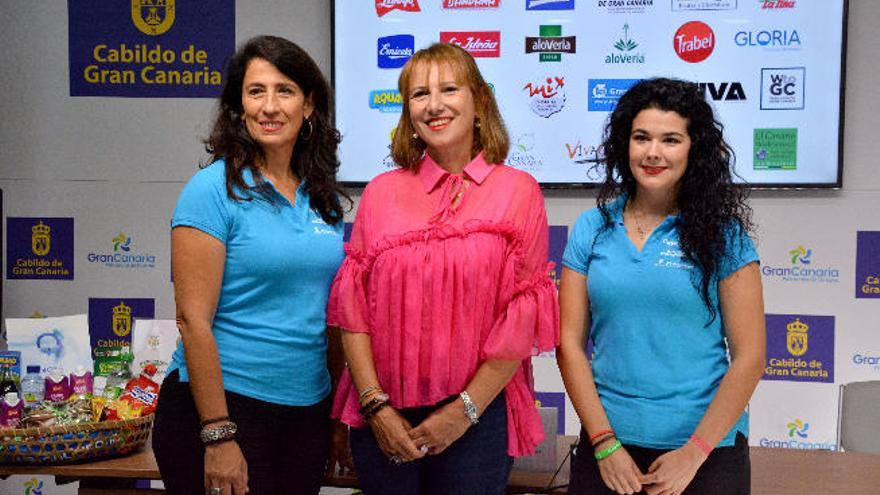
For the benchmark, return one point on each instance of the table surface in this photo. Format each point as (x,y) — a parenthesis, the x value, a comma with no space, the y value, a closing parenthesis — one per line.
(774,471)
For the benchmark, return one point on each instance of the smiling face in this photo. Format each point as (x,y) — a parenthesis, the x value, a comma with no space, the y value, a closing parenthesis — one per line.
(442,111)
(274,106)
(658,150)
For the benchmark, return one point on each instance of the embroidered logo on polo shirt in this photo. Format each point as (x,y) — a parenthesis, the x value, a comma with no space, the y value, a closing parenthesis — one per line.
(673,257)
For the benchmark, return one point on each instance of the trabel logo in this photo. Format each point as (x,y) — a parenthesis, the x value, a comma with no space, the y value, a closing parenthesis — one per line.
(550,44)
(800,254)
(625,54)
(547,96)
(797,428)
(385,6)
(694,41)
(152,17)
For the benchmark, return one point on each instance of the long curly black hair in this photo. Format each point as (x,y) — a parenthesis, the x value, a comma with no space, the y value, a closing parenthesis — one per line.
(314,158)
(708,202)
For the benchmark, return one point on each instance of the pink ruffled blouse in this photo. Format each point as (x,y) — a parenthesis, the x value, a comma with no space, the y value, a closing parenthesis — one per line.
(442,285)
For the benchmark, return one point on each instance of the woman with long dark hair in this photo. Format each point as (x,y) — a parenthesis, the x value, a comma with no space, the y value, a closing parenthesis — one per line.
(664,279)
(256,241)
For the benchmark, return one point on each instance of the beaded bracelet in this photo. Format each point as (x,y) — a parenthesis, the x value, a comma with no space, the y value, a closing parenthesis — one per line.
(372,403)
(367,391)
(372,412)
(599,434)
(699,442)
(213,420)
(607,452)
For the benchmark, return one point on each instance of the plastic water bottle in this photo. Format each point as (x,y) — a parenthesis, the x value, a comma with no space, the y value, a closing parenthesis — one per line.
(32,386)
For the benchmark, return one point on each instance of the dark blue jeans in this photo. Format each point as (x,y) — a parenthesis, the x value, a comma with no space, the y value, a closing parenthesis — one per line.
(727,470)
(475,464)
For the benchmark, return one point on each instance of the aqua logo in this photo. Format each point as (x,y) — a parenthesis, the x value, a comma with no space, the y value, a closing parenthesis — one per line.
(386,100)
(625,54)
(797,427)
(122,255)
(801,269)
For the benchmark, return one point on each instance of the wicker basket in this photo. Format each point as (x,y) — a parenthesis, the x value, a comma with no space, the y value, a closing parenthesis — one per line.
(63,444)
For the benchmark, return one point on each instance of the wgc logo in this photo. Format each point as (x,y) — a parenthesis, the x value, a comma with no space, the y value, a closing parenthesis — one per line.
(694,41)
(152,17)
(782,88)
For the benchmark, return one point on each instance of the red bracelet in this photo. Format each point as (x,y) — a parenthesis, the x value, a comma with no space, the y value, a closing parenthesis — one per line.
(701,444)
(597,435)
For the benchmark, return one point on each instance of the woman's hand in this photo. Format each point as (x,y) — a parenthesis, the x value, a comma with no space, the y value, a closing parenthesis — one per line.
(340,451)
(225,468)
(441,428)
(392,433)
(673,471)
(619,471)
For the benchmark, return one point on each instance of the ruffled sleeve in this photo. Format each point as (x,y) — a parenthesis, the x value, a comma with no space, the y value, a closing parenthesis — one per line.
(347,307)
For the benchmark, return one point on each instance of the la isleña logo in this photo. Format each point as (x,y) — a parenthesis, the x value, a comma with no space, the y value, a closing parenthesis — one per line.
(801,269)
(122,255)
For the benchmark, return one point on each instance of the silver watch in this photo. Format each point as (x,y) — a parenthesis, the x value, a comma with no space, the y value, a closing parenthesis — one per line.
(470,409)
(214,434)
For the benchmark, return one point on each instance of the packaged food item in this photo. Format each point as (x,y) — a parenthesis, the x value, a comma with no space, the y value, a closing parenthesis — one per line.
(139,398)
(11,410)
(33,387)
(81,383)
(118,378)
(57,385)
(7,380)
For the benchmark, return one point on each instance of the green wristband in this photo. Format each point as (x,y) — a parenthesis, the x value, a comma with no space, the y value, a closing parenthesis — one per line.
(608,451)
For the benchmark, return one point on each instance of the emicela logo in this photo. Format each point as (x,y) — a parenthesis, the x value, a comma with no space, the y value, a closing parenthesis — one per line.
(152,17)
(800,254)
(797,427)
(625,47)
(393,51)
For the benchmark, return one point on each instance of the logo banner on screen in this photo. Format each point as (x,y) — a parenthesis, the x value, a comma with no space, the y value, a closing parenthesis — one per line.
(800,348)
(39,248)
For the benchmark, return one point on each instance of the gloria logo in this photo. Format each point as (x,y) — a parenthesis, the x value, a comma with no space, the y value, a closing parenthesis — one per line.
(801,269)
(605,93)
(680,5)
(549,4)
(386,100)
(477,43)
(694,41)
(800,348)
(394,51)
(776,4)
(546,96)
(471,4)
(868,361)
(797,431)
(868,265)
(521,155)
(783,88)
(121,255)
(724,91)
(625,53)
(775,149)
(152,17)
(550,44)
(39,248)
(385,6)
(624,6)
(769,39)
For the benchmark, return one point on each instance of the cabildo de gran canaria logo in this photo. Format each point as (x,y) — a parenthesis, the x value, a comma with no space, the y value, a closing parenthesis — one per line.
(122,256)
(152,17)
(801,269)
(39,248)
(800,348)
(798,432)
(121,319)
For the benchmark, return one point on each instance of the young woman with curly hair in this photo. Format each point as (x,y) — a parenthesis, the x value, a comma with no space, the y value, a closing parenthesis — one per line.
(663,277)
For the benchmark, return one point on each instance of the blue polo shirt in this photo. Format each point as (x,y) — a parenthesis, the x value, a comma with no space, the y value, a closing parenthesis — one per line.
(657,365)
(281,258)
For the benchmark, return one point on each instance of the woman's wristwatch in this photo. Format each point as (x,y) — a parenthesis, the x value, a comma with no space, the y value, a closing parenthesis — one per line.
(217,434)
(470,409)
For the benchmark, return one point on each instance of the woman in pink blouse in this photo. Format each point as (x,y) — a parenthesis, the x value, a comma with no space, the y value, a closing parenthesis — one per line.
(444,295)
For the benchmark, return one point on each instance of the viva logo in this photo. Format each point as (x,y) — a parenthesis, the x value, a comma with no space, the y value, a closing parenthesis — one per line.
(122,255)
(797,428)
(625,54)
(801,269)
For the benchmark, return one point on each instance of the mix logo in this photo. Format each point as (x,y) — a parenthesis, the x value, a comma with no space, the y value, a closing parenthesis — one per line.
(868,265)
(605,93)
(797,431)
(801,269)
(549,4)
(769,39)
(122,257)
(872,362)
(777,4)
(477,43)
(681,5)
(800,348)
(546,97)
(624,6)
(625,54)
(694,41)
(471,4)
(775,149)
(553,399)
(550,44)
(152,17)
(521,155)
(386,100)
(393,51)
(39,248)
(783,88)
(724,91)
(385,6)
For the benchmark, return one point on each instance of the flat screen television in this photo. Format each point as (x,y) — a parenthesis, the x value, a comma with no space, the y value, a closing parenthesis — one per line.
(773,71)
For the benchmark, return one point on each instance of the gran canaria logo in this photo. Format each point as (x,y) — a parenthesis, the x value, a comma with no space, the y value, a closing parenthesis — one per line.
(801,269)
(121,319)
(797,427)
(797,430)
(40,239)
(122,242)
(152,17)
(122,255)
(796,340)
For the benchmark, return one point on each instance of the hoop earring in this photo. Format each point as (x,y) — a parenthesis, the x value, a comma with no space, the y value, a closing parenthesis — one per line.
(306,135)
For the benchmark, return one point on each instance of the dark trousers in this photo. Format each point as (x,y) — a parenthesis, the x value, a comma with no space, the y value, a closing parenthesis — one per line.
(727,470)
(285,447)
(475,464)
